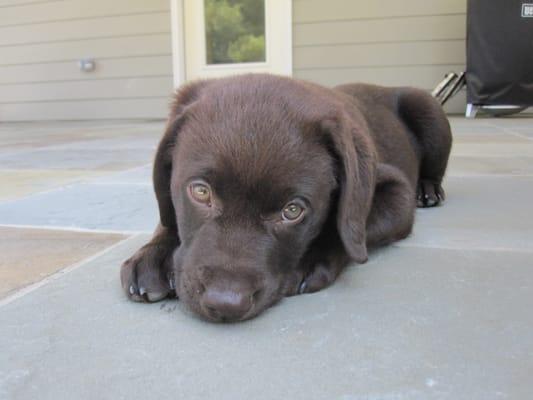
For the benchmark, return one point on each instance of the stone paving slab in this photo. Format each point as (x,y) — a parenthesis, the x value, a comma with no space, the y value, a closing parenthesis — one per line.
(444,314)
(477,138)
(65,159)
(465,165)
(134,142)
(29,136)
(493,149)
(141,175)
(481,212)
(29,255)
(474,128)
(19,183)
(410,324)
(496,126)
(525,132)
(485,118)
(132,207)
(126,207)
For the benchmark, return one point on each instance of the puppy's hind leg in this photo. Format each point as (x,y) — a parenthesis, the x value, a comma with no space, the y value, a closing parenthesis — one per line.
(427,121)
(392,215)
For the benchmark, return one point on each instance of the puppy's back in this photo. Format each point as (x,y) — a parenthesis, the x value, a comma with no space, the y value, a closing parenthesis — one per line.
(405,123)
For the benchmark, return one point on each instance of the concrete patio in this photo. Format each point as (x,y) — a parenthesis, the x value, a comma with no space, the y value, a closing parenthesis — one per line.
(445,314)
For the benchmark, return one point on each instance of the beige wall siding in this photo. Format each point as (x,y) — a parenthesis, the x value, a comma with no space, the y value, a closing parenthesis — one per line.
(388,42)
(42,41)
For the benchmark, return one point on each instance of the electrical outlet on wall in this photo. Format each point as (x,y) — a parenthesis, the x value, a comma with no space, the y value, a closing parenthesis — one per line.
(87,64)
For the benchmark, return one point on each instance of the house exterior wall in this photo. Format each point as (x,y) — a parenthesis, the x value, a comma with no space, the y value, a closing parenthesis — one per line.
(40,45)
(387,42)
(410,42)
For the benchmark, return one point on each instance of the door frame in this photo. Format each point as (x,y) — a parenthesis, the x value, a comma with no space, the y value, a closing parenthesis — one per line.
(178,40)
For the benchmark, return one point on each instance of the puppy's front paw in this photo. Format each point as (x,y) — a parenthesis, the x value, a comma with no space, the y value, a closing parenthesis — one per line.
(429,194)
(146,276)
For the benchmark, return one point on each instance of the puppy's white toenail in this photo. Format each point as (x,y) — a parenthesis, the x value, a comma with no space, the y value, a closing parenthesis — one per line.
(155,296)
(302,287)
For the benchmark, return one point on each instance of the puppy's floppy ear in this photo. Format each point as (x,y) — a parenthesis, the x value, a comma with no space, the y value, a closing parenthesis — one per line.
(162,172)
(357,177)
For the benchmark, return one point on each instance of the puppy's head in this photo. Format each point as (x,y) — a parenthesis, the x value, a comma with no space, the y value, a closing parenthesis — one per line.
(249,178)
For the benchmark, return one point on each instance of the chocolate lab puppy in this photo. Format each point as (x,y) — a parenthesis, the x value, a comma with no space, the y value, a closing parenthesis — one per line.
(269,186)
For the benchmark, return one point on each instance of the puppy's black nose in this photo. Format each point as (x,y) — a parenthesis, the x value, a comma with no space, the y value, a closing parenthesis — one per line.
(226,304)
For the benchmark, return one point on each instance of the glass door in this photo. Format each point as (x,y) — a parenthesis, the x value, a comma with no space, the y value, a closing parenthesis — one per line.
(227,37)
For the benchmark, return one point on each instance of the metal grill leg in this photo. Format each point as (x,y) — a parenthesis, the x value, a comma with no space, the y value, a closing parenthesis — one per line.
(471,110)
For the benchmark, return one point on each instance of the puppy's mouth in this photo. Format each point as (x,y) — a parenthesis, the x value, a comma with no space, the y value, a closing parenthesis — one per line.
(225,319)
(220,316)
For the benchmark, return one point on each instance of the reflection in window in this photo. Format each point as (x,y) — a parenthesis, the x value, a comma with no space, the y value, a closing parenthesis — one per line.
(235,31)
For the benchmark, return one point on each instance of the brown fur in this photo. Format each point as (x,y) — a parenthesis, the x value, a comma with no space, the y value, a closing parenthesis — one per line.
(359,156)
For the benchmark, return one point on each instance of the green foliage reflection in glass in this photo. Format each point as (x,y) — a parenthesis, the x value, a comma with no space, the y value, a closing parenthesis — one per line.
(234,31)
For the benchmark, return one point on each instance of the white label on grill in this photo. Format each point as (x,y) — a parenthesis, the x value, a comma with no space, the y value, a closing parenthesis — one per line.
(527,10)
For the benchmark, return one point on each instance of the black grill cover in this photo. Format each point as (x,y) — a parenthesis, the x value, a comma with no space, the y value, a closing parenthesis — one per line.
(499,66)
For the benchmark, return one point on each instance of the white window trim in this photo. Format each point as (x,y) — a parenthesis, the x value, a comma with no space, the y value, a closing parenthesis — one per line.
(178,41)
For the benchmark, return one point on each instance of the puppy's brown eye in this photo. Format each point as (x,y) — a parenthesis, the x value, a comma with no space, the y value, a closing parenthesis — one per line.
(292,212)
(200,193)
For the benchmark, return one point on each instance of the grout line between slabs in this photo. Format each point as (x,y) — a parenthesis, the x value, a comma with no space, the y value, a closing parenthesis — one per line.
(104,183)
(81,180)
(477,175)
(490,155)
(75,229)
(58,274)
(36,194)
(510,131)
(458,248)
